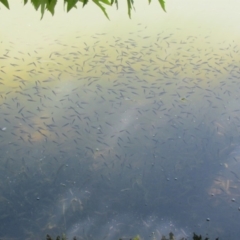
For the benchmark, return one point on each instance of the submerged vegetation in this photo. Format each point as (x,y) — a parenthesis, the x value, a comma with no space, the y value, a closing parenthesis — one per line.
(50,5)
(137,237)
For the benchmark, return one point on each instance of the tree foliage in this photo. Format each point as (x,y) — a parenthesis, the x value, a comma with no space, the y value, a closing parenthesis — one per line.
(49,5)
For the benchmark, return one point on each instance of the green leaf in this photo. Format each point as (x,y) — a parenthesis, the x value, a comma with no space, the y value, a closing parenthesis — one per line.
(130,5)
(85,2)
(42,10)
(106,2)
(51,6)
(114,1)
(36,4)
(43,2)
(102,8)
(70,4)
(5,3)
(162,3)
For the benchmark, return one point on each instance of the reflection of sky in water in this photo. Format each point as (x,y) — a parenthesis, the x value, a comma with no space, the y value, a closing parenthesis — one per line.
(113,135)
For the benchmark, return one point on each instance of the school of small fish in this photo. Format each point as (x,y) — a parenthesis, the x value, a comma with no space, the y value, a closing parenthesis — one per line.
(108,124)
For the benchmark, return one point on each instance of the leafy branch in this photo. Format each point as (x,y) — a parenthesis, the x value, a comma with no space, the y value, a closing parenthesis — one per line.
(49,5)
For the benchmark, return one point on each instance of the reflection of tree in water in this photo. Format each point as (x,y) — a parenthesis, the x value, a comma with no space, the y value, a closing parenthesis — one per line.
(84,192)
